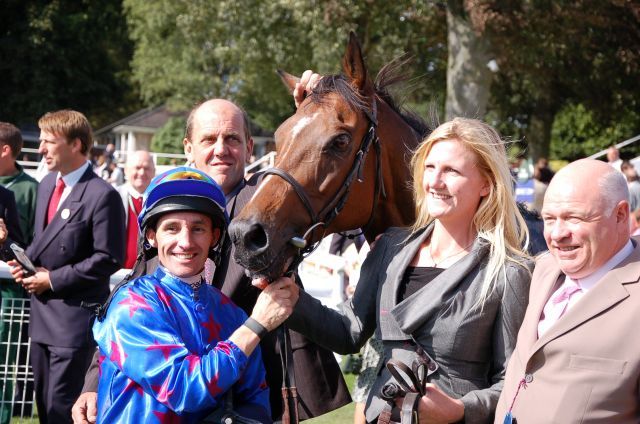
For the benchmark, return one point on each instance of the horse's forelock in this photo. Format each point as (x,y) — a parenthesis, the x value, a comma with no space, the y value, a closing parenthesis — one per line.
(390,75)
(340,85)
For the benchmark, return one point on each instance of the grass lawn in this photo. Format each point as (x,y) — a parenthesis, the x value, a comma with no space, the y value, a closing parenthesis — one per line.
(343,415)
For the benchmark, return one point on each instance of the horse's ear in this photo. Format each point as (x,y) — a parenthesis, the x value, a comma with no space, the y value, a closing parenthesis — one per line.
(354,67)
(288,80)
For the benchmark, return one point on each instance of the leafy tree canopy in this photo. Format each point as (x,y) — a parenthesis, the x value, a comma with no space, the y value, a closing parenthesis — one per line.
(190,50)
(169,138)
(65,54)
(553,54)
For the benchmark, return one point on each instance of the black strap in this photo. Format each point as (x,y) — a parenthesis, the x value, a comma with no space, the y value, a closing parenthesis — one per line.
(220,273)
(289,390)
(401,373)
(410,384)
(256,327)
(139,268)
(296,187)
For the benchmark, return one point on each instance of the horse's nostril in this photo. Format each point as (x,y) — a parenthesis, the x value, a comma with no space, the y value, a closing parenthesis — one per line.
(255,239)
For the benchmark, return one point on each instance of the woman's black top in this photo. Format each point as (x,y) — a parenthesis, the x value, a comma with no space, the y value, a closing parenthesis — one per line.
(415,278)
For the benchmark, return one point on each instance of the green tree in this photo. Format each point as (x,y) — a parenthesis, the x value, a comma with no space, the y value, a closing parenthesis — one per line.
(549,54)
(555,53)
(169,138)
(578,133)
(65,54)
(190,50)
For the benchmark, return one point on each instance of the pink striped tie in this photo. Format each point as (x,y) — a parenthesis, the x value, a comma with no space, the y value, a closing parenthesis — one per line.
(562,299)
(557,305)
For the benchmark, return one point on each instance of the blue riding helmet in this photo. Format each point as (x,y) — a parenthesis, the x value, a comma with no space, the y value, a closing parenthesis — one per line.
(183,189)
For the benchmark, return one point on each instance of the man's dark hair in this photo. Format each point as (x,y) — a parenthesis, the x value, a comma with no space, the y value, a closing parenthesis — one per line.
(11,136)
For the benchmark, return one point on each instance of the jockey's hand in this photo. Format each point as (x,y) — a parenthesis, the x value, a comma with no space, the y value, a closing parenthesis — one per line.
(273,307)
(85,410)
(303,88)
(276,302)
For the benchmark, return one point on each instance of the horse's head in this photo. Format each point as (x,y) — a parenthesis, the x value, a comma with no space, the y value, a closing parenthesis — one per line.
(322,166)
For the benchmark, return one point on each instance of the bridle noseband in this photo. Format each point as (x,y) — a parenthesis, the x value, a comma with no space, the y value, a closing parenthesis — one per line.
(326,216)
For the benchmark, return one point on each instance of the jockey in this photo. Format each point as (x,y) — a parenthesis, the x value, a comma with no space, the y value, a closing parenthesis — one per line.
(171,345)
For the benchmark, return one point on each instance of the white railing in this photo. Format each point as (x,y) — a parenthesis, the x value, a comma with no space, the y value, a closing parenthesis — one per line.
(115,278)
(619,146)
(264,162)
(16,378)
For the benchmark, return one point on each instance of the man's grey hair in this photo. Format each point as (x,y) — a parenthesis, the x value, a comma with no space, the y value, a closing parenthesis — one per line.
(133,156)
(613,189)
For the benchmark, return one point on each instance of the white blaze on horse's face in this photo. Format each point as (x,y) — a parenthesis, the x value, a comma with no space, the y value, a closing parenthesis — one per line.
(301,124)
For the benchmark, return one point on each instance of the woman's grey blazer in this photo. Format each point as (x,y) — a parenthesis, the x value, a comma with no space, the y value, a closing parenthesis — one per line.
(470,343)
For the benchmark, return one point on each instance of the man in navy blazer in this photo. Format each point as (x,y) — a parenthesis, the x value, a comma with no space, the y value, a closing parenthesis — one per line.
(78,244)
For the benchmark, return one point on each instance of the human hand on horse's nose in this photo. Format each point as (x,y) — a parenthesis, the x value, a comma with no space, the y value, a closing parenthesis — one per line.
(275,303)
(307,82)
(260,283)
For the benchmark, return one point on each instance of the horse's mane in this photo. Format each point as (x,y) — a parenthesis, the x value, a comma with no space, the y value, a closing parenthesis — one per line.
(389,76)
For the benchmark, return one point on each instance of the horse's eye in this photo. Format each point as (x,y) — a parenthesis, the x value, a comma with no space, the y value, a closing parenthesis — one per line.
(341,142)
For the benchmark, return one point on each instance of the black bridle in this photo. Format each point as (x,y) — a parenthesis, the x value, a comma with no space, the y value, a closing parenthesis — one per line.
(326,216)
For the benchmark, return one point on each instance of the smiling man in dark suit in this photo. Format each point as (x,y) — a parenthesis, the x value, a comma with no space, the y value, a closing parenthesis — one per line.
(78,244)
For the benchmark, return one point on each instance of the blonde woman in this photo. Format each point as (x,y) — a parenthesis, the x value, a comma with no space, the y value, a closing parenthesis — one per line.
(452,289)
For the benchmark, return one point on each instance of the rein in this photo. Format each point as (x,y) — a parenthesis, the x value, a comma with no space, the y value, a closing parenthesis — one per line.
(329,213)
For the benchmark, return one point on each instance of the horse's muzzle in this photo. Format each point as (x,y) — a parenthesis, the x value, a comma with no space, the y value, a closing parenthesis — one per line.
(253,250)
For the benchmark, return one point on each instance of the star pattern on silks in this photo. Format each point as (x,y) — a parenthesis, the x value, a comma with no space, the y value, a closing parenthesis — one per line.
(213,328)
(164,348)
(225,347)
(101,359)
(224,299)
(212,386)
(168,417)
(164,298)
(163,392)
(132,385)
(264,385)
(135,302)
(193,361)
(117,356)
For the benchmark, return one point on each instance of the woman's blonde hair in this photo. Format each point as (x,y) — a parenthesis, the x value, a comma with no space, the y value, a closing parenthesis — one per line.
(497,219)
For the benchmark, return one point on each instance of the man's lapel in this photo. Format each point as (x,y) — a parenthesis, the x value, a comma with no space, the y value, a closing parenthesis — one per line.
(607,292)
(44,194)
(547,283)
(73,203)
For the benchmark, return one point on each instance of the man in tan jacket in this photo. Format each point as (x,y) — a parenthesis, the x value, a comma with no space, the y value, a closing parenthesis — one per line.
(577,357)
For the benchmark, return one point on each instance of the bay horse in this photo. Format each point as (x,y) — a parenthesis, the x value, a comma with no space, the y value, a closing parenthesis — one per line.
(342,163)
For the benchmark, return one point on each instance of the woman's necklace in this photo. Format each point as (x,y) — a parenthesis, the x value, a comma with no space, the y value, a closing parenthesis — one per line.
(453,255)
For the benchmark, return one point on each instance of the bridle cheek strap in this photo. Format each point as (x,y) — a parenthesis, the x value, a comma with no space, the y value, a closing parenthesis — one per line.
(335,206)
